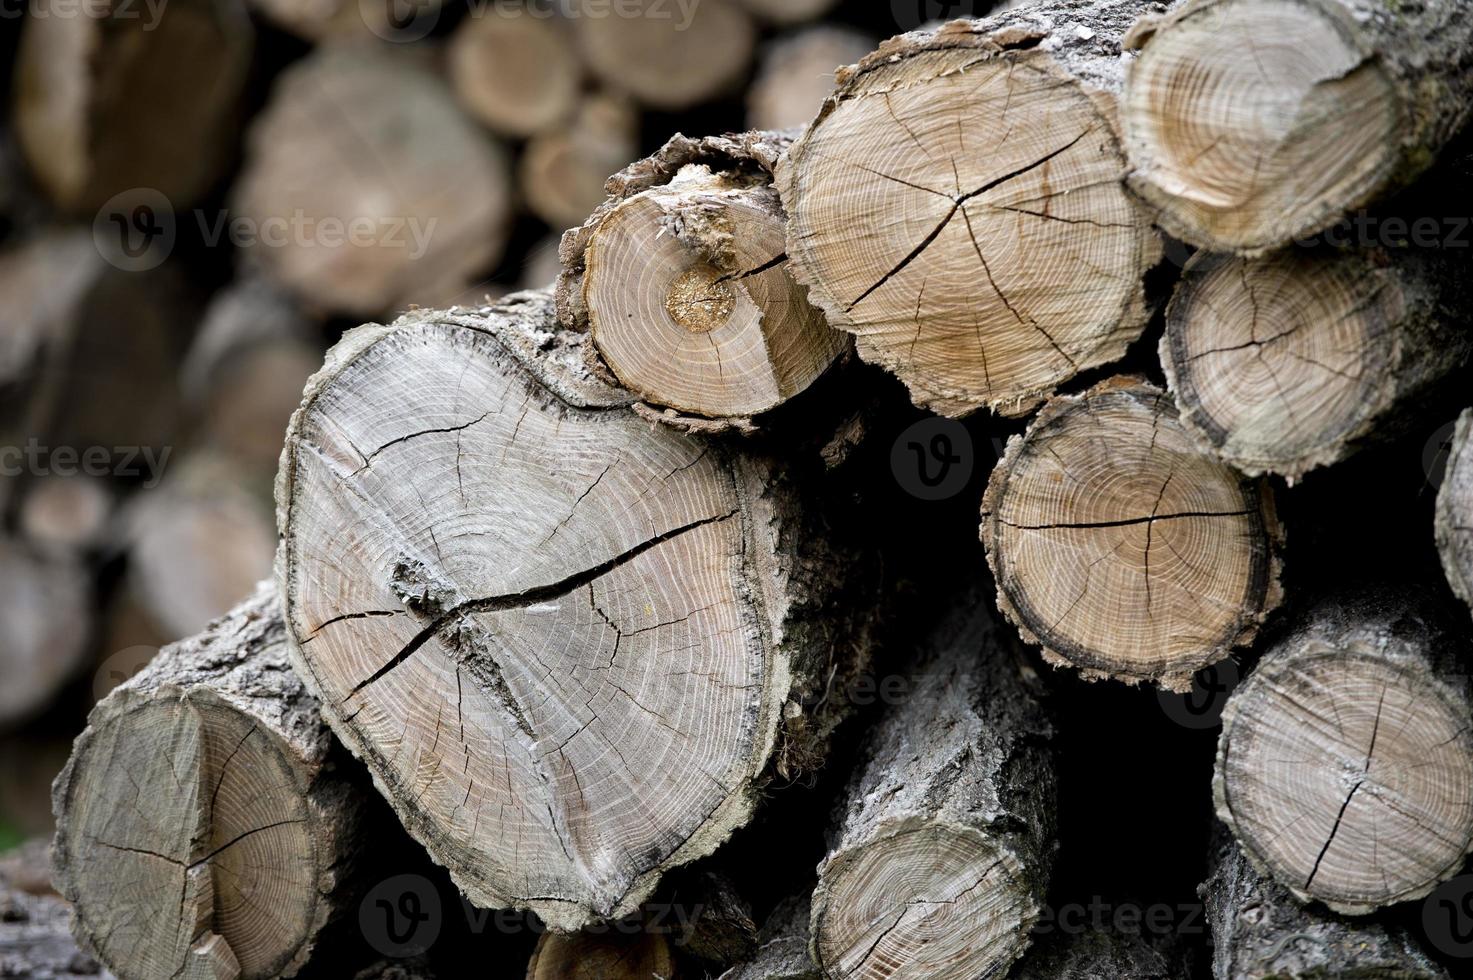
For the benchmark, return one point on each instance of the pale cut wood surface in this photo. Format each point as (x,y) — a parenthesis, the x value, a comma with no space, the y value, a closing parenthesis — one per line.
(204,827)
(518,74)
(46,607)
(942,846)
(1123,548)
(681,279)
(563,641)
(1345,764)
(1454,521)
(797,72)
(958,207)
(1293,360)
(563,169)
(1249,123)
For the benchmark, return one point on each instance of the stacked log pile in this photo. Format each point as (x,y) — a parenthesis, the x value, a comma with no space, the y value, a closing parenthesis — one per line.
(674,609)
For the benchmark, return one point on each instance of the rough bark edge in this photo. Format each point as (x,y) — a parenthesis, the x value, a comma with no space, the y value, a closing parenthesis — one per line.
(1413,350)
(1362,614)
(1423,130)
(1446,522)
(1247,911)
(753,153)
(789,738)
(1020,28)
(1178,681)
(782,950)
(270,694)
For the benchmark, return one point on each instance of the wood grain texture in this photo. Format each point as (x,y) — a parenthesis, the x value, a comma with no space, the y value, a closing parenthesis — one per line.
(958,207)
(203,826)
(1345,764)
(1249,123)
(1121,547)
(569,647)
(1454,521)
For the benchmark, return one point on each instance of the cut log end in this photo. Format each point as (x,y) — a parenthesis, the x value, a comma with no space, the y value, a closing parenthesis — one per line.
(1344,763)
(729,340)
(981,279)
(608,955)
(194,836)
(1455,511)
(1252,122)
(517,73)
(942,900)
(1121,547)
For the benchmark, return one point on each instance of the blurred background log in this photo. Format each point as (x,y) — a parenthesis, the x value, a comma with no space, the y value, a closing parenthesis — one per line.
(797,74)
(563,170)
(517,73)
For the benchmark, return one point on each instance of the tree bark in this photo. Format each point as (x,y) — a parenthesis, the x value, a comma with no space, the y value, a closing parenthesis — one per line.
(518,74)
(204,828)
(1249,123)
(1291,361)
(681,280)
(1345,764)
(597,661)
(35,941)
(667,58)
(351,215)
(782,946)
(1454,521)
(1259,932)
(797,74)
(564,169)
(941,855)
(1098,955)
(132,98)
(957,206)
(46,607)
(1122,548)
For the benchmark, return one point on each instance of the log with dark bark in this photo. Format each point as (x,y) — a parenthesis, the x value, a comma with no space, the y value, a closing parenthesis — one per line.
(1098,955)
(681,279)
(1121,547)
(957,206)
(712,921)
(1260,932)
(517,73)
(204,825)
(563,169)
(1291,361)
(568,644)
(797,74)
(46,606)
(134,97)
(667,56)
(1345,764)
(782,946)
(367,185)
(944,842)
(1249,123)
(1454,521)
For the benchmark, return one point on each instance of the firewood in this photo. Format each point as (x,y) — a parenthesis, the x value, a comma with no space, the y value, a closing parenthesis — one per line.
(1343,766)
(46,606)
(196,543)
(528,612)
(1454,520)
(1121,547)
(938,865)
(517,73)
(789,11)
(563,170)
(35,941)
(1249,123)
(1099,955)
(1259,932)
(782,946)
(957,206)
(203,824)
(21,208)
(66,515)
(681,279)
(411,969)
(345,20)
(712,920)
(606,955)
(134,98)
(363,177)
(667,57)
(797,74)
(1294,360)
